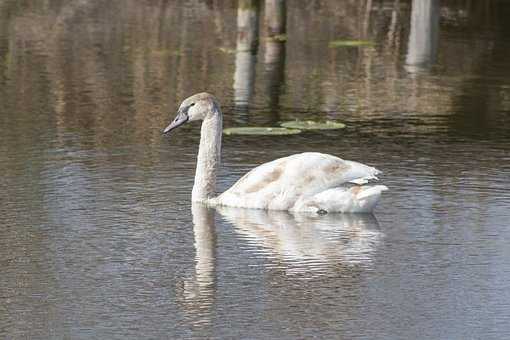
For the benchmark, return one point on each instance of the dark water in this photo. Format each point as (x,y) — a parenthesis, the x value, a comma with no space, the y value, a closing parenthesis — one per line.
(97,235)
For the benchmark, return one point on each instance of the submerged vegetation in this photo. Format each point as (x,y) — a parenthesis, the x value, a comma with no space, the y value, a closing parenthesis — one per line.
(312,125)
(350,43)
(292,127)
(277,131)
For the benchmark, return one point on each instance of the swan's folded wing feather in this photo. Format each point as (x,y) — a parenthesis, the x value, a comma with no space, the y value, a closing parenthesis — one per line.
(345,199)
(280,183)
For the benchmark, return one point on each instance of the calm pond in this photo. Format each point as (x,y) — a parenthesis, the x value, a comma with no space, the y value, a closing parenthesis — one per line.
(99,240)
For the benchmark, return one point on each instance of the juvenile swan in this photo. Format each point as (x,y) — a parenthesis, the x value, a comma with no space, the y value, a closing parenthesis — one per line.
(309,181)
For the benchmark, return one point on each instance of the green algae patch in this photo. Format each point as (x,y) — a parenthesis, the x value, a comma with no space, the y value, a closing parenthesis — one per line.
(227,50)
(350,43)
(312,125)
(261,131)
(277,38)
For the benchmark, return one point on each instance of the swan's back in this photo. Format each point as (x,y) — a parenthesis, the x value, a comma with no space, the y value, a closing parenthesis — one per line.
(280,184)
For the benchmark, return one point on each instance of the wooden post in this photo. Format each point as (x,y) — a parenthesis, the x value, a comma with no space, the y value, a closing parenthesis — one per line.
(423,39)
(248,12)
(274,56)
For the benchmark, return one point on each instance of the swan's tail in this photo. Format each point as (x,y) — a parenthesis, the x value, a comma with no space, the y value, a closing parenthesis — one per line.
(356,199)
(362,173)
(368,191)
(366,199)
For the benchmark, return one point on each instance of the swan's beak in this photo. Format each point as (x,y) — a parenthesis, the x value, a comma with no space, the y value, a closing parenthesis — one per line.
(181,118)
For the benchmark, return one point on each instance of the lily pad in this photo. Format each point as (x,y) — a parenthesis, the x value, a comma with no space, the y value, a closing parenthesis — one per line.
(276,131)
(278,38)
(227,50)
(312,125)
(350,43)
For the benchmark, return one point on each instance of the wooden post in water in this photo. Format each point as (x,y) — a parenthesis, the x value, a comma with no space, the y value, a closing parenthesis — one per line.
(248,12)
(274,56)
(423,39)
(275,17)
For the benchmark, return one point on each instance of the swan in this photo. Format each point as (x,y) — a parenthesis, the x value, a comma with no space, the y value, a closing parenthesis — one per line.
(306,182)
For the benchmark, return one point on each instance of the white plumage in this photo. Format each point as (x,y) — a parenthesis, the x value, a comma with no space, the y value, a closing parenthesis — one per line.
(305,182)
(310,181)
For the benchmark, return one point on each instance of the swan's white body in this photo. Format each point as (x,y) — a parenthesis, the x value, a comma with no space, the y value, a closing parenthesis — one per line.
(312,182)
(305,182)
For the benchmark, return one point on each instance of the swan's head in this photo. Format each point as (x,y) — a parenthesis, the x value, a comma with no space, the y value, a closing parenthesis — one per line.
(197,107)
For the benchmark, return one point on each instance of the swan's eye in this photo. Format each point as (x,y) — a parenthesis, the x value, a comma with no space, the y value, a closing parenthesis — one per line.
(190,105)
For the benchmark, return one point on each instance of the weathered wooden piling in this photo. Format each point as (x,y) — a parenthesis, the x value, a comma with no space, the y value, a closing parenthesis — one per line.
(423,38)
(248,13)
(274,55)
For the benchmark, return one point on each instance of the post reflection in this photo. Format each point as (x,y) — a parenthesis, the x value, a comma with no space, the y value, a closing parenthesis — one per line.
(423,39)
(246,52)
(274,55)
(307,243)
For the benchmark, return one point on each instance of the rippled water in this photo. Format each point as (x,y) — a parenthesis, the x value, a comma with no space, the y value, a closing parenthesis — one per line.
(98,238)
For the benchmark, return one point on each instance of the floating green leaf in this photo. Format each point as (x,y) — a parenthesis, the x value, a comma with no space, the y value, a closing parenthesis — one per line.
(350,43)
(278,38)
(260,131)
(312,125)
(227,50)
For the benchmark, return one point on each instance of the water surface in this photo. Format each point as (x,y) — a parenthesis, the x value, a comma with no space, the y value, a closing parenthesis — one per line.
(98,238)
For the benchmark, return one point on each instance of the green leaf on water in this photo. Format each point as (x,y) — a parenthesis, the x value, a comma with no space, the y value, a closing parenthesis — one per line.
(278,38)
(227,50)
(312,125)
(350,43)
(264,131)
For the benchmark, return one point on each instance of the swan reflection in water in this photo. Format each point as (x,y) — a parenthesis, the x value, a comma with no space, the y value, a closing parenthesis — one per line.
(307,242)
(301,242)
(311,245)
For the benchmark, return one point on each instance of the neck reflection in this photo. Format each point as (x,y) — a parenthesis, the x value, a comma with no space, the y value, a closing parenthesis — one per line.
(199,289)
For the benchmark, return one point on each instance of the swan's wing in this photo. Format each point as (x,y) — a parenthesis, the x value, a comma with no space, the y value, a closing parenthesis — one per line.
(280,183)
(345,199)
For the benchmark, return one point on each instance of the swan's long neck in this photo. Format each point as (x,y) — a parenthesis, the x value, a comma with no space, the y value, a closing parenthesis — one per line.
(209,155)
